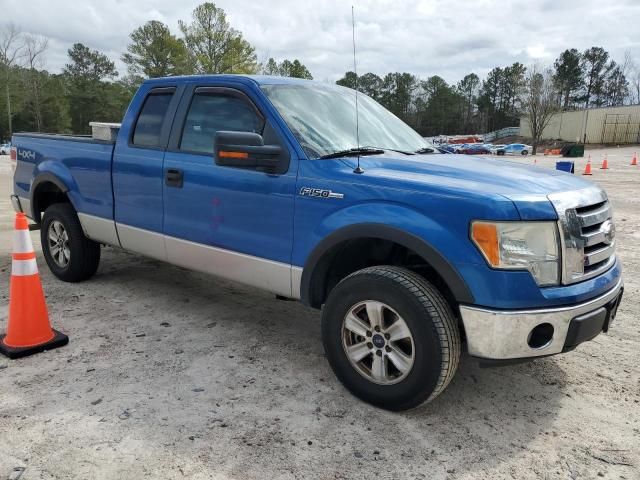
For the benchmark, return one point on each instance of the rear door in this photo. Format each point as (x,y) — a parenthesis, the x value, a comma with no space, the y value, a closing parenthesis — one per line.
(137,170)
(229,221)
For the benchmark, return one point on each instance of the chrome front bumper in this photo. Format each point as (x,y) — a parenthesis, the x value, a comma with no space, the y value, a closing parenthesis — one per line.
(503,335)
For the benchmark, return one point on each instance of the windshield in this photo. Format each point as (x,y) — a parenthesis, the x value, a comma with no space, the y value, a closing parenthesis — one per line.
(323,119)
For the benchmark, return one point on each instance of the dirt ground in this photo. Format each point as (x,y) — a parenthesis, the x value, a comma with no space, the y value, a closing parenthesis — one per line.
(172,374)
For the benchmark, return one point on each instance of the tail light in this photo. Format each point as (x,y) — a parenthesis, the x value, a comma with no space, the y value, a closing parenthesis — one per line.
(14,157)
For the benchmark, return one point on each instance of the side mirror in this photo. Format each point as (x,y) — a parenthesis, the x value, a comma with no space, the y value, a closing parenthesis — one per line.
(245,149)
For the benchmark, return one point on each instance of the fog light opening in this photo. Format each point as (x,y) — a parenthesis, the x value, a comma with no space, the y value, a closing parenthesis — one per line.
(541,336)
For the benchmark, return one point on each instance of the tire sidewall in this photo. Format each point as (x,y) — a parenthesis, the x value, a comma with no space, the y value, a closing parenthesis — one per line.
(79,266)
(52,214)
(424,375)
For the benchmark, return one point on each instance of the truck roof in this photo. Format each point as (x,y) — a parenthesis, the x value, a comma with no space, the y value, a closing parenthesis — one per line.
(258,79)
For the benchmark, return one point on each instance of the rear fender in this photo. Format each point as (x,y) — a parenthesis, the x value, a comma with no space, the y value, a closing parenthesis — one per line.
(57,174)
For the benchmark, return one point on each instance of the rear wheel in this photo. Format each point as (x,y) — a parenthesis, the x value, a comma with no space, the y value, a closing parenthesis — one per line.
(525,152)
(70,255)
(390,337)
(500,152)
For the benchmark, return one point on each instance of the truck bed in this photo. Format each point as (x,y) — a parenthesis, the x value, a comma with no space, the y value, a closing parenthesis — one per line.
(62,136)
(81,162)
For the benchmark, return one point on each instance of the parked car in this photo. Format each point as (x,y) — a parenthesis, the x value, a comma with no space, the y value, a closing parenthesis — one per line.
(494,148)
(5,149)
(449,148)
(514,149)
(262,180)
(474,149)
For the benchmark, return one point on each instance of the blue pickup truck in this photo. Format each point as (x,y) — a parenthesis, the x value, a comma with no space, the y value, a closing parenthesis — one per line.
(411,255)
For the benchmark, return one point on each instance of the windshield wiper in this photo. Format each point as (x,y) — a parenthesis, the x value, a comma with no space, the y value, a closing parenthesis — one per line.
(392,150)
(425,150)
(352,152)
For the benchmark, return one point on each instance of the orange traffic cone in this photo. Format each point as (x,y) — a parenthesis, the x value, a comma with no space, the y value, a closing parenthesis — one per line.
(28,328)
(605,163)
(634,161)
(587,169)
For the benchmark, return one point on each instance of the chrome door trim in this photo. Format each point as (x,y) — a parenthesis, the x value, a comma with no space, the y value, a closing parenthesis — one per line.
(99,229)
(257,272)
(144,242)
(296,282)
(272,276)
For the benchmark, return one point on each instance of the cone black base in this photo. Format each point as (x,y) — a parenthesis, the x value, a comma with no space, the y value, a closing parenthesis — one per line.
(59,340)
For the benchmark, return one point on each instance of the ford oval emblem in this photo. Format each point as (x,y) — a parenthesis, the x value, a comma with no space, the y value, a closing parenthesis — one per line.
(609,231)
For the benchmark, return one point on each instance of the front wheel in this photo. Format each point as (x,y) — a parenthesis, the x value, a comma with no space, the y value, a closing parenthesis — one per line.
(390,337)
(70,255)
(525,152)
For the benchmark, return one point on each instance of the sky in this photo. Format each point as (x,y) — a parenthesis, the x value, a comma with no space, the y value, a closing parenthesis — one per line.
(449,38)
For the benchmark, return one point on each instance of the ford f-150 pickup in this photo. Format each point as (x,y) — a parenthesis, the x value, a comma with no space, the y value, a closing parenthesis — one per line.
(410,254)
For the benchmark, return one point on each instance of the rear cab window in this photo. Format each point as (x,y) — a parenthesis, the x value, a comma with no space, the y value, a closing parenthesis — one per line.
(148,130)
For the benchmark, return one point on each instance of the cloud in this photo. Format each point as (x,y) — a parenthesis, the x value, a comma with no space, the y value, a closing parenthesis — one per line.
(449,38)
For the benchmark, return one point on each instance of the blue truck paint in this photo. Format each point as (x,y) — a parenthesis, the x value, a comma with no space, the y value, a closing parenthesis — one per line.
(431,197)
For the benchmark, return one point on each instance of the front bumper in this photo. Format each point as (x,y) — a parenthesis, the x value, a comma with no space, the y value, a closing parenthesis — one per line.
(507,334)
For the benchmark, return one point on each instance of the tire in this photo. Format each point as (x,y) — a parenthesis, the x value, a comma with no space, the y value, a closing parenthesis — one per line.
(524,153)
(500,152)
(83,254)
(434,346)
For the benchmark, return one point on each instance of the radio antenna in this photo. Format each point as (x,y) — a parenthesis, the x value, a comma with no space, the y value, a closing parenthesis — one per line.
(358,169)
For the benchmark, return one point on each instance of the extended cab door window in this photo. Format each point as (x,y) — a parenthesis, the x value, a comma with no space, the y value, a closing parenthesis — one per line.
(138,171)
(148,130)
(213,111)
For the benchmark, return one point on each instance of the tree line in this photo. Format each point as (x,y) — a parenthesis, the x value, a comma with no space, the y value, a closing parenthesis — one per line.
(434,107)
(90,88)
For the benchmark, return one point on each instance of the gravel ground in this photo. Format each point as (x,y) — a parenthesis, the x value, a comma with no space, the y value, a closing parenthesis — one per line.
(174,374)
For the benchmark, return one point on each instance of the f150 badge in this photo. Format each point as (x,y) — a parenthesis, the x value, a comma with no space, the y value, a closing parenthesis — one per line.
(319,192)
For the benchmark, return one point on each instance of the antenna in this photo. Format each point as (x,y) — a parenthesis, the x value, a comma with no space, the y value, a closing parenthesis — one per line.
(358,169)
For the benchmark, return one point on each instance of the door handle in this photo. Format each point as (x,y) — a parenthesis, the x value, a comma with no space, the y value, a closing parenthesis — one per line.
(173,178)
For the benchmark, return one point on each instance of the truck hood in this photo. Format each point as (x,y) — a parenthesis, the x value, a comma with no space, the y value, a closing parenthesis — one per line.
(508,178)
(525,187)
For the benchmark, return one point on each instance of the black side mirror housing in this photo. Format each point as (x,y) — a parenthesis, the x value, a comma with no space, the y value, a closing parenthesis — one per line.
(246,150)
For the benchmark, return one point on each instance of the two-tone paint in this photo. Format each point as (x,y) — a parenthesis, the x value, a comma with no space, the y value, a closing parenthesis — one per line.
(270,230)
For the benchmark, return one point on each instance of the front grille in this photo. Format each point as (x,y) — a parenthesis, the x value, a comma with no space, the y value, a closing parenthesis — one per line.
(596,230)
(587,233)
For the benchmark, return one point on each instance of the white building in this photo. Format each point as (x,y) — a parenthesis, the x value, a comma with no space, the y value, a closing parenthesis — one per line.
(608,125)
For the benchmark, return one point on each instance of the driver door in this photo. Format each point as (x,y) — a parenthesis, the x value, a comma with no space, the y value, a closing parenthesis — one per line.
(230,221)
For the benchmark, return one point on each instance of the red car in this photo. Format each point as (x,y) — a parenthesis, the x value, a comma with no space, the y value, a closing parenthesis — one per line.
(474,149)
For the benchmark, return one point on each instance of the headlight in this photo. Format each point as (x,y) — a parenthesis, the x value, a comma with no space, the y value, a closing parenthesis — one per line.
(529,246)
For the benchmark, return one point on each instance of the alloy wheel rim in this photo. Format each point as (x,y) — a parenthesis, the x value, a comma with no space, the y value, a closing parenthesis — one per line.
(59,244)
(378,342)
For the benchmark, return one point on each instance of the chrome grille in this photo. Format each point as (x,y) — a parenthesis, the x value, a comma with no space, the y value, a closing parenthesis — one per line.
(587,233)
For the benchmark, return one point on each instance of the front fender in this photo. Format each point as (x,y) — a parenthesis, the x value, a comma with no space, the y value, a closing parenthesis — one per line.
(403,225)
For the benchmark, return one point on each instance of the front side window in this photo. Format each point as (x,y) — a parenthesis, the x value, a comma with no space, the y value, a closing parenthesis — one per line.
(148,129)
(211,112)
(323,119)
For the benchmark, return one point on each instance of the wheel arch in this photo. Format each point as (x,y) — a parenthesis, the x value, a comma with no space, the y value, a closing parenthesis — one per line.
(313,280)
(46,189)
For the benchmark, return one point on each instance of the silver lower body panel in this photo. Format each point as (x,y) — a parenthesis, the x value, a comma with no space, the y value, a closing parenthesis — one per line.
(21,205)
(504,335)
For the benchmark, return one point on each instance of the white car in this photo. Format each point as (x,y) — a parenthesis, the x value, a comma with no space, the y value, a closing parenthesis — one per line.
(514,149)
(5,149)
